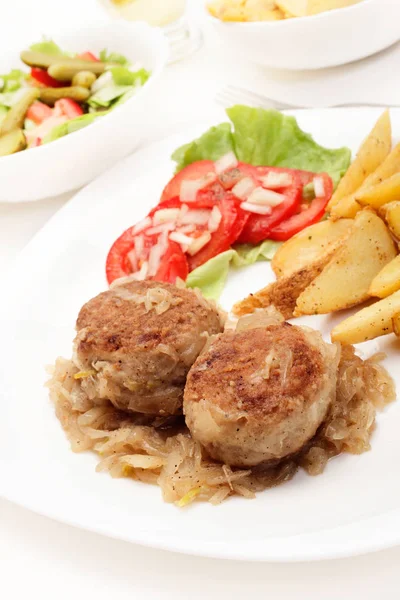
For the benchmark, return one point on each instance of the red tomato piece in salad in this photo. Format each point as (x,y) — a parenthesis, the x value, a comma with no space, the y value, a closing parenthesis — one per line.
(68,108)
(39,112)
(42,77)
(309,215)
(88,56)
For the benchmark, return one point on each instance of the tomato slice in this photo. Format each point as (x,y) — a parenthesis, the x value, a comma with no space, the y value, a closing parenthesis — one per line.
(314,213)
(42,77)
(231,224)
(68,108)
(173,263)
(258,227)
(88,56)
(38,112)
(196,170)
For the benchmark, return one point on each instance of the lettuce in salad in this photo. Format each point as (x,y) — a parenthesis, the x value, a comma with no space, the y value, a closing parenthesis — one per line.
(47,47)
(69,127)
(114,84)
(265,137)
(211,277)
(113,57)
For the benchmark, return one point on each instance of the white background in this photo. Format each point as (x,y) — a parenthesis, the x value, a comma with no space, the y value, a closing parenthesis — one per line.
(39,557)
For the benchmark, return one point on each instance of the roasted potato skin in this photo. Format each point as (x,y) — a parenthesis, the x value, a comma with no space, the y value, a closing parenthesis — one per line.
(345,280)
(370,322)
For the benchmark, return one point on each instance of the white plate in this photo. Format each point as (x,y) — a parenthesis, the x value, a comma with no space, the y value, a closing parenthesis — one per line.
(354,507)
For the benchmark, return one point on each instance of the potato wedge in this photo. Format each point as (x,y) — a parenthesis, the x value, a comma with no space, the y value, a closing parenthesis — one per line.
(387,281)
(309,245)
(293,8)
(348,206)
(346,279)
(283,293)
(396,324)
(391,214)
(368,323)
(371,154)
(380,194)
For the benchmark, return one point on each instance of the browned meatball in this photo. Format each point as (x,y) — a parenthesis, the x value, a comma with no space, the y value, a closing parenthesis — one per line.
(258,396)
(138,341)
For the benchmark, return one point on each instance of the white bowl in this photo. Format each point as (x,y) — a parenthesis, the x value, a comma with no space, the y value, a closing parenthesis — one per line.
(75,159)
(328,39)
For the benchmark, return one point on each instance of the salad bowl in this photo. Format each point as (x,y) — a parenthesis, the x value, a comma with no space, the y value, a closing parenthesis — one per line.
(73,160)
(327,39)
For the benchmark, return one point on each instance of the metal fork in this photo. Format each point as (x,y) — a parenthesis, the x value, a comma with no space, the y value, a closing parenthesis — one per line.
(231,94)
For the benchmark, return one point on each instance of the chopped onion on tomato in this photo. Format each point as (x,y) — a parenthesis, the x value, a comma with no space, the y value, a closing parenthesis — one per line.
(160,228)
(243,188)
(139,245)
(165,215)
(274,180)
(141,226)
(187,229)
(155,256)
(142,274)
(180,238)
(199,243)
(214,220)
(131,256)
(190,187)
(265,197)
(257,209)
(228,161)
(195,217)
(319,187)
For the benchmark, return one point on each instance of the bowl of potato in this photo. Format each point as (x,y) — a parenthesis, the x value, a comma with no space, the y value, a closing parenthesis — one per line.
(305,34)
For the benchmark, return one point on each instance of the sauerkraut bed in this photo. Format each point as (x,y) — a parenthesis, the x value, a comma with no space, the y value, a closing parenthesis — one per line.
(161,451)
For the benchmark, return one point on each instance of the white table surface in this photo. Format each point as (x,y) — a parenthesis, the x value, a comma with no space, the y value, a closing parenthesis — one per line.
(41,557)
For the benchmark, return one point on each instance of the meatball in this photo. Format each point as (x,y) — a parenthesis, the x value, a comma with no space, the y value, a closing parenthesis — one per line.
(136,342)
(257,396)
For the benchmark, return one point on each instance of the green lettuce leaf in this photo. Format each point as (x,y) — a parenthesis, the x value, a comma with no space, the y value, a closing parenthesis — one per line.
(69,127)
(211,277)
(12,81)
(107,94)
(113,57)
(47,47)
(265,137)
(213,144)
(123,76)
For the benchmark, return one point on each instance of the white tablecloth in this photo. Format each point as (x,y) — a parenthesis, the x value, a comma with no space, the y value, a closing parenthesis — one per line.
(41,558)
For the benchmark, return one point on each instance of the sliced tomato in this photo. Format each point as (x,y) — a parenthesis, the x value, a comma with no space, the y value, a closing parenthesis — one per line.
(88,56)
(196,170)
(173,265)
(68,108)
(38,112)
(42,77)
(258,227)
(308,216)
(231,224)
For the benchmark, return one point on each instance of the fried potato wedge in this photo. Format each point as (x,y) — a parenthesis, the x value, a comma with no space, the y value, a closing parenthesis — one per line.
(371,154)
(346,279)
(391,214)
(387,281)
(396,324)
(309,246)
(282,294)
(348,206)
(370,322)
(380,194)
